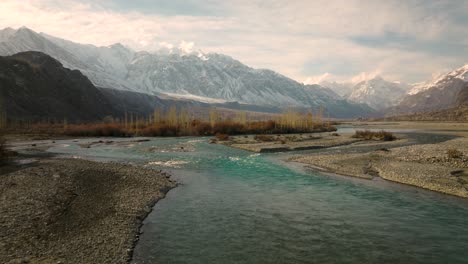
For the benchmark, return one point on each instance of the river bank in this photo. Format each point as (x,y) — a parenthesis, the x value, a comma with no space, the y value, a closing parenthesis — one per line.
(441,167)
(293,142)
(75,211)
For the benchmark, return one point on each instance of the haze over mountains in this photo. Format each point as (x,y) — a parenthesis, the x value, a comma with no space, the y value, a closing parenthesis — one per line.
(211,78)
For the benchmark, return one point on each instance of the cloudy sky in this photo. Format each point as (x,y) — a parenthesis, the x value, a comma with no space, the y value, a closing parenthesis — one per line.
(303,39)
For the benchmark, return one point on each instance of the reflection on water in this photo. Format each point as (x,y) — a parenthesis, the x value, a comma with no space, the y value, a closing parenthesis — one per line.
(238,207)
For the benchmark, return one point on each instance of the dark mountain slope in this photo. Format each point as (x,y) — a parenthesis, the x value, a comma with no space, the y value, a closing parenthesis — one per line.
(34,86)
(462,98)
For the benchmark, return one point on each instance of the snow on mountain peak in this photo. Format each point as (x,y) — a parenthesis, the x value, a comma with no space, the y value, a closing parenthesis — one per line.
(378,93)
(6,34)
(441,79)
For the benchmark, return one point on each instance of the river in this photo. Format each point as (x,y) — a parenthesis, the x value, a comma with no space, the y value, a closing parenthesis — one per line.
(233,206)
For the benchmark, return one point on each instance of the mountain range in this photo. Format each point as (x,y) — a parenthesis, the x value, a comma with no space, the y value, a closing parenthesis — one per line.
(446,91)
(376,92)
(210,78)
(36,87)
(395,98)
(124,77)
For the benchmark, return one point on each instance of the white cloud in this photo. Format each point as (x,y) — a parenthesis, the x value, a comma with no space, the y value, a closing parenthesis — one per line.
(318,79)
(364,76)
(166,45)
(186,47)
(285,36)
(143,43)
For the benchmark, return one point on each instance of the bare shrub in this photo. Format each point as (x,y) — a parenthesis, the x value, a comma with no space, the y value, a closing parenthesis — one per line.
(370,135)
(454,154)
(96,130)
(3,152)
(222,137)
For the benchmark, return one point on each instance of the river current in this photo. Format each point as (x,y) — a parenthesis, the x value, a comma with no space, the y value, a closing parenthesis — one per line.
(234,206)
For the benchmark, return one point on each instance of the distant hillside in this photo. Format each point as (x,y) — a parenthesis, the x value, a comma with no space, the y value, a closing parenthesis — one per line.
(35,86)
(459,114)
(445,92)
(462,98)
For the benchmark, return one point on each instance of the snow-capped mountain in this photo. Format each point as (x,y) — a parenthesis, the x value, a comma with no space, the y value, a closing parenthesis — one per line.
(460,73)
(217,76)
(373,90)
(324,90)
(192,75)
(343,89)
(378,93)
(100,64)
(441,93)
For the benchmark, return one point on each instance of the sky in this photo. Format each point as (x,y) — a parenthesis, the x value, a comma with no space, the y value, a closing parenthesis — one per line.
(309,41)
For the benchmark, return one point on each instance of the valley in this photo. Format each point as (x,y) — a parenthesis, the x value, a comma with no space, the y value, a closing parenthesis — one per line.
(226,186)
(301,136)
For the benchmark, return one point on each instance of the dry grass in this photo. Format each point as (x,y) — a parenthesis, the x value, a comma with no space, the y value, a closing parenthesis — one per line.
(174,122)
(191,128)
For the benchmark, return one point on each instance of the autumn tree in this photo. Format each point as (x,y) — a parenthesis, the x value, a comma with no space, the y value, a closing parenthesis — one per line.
(172,116)
(214,117)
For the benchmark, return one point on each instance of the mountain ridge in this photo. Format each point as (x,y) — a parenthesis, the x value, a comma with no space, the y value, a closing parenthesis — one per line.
(444,92)
(377,92)
(209,75)
(36,86)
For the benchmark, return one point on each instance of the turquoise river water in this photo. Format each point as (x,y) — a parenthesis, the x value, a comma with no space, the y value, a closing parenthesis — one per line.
(233,206)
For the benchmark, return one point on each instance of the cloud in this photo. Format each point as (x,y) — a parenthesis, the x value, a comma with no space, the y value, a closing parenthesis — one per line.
(166,45)
(318,79)
(364,76)
(298,38)
(186,47)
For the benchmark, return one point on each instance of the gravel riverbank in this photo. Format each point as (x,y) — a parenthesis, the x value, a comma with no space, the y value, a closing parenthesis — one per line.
(441,167)
(75,211)
(291,142)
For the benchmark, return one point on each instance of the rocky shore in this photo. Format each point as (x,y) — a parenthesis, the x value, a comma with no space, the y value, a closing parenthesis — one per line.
(441,167)
(75,211)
